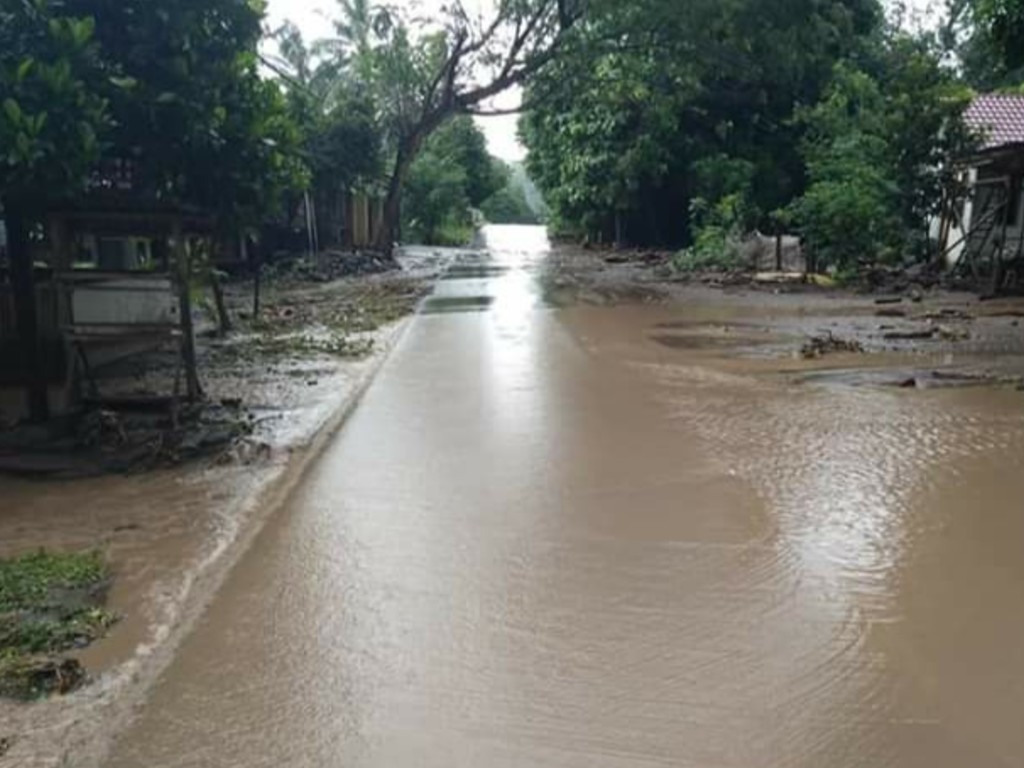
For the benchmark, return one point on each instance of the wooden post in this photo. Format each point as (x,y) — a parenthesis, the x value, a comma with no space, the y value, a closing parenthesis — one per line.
(188,346)
(223,317)
(778,251)
(26,313)
(257,269)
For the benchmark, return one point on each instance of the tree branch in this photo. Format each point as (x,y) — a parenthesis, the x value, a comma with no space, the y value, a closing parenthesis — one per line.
(482,112)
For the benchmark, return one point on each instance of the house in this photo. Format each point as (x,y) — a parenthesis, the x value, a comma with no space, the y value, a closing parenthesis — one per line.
(981,228)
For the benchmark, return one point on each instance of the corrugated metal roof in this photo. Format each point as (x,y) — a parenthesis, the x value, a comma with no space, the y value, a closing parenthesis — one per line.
(1000,116)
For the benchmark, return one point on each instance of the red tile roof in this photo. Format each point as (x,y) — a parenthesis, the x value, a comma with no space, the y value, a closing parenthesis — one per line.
(1000,116)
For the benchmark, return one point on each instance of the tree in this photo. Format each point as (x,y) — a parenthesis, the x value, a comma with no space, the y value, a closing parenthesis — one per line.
(651,88)
(849,212)
(424,76)
(1001,23)
(341,137)
(52,123)
(171,87)
(509,204)
(463,144)
(452,174)
(192,111)
(878,149)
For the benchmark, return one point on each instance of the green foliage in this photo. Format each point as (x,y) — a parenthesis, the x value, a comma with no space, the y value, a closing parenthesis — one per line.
(49,603)
(1001,24)
(52,115)
(877,152)
(172,86)
(452,175)
(656,87)
(718,230)
(614,140)
(27,582)
(509,204)
(720,213)
(463,145)
(850,208)
(435,199)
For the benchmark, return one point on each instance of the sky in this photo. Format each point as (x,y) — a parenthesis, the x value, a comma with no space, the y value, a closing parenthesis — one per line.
(311,16)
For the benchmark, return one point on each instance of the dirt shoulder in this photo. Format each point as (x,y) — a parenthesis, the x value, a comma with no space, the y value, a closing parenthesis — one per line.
(923,336)
(169,534)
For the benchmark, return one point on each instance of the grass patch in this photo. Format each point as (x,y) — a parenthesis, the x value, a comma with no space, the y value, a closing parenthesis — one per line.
(50,603)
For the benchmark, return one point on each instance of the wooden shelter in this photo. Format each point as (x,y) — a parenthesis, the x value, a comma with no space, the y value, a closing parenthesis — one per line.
(981,229)
(110,278)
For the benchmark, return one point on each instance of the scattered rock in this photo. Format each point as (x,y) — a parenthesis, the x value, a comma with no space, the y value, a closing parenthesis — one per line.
(961,376)
(949,333)
(6,742)
(910,335)
(246,452)
(818,346)
(31,678)
(947,313)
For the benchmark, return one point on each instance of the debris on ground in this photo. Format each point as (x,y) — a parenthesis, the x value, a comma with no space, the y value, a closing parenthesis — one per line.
(952,333)
(818,346)
(304,329)
(50,604)
(328,266)
(6,742)
(892,312)
(916,335)
(946,313)
(962,378)
(101,439)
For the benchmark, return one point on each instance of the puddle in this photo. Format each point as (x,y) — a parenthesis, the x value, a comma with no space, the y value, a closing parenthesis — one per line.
(907,378)
(482,272)
(695,341)
(449,304)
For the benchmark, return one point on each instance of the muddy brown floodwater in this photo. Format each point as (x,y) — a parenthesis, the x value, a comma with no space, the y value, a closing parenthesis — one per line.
(547,538)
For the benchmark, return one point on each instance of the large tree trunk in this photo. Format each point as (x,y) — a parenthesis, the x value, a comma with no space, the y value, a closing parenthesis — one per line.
(390,220)
(26,314)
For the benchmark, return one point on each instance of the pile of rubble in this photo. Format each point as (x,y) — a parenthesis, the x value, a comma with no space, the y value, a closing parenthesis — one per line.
(819,346)
(327,266)
(130,437)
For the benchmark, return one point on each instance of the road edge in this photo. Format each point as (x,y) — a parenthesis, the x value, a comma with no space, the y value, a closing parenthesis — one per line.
(91,738)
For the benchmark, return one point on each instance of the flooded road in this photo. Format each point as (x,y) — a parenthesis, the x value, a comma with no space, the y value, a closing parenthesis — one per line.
(547,539)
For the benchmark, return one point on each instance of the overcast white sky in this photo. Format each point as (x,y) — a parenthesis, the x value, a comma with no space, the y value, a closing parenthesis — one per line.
(312,16)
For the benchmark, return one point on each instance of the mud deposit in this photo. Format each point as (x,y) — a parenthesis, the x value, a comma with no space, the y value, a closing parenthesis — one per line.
(550,538)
